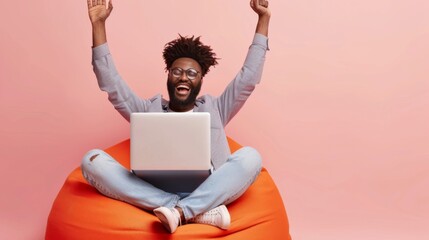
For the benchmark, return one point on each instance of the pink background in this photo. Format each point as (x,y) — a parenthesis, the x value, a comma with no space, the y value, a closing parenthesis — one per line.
(341,117)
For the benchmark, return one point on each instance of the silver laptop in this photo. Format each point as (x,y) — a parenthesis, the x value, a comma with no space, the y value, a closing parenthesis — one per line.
(171,150)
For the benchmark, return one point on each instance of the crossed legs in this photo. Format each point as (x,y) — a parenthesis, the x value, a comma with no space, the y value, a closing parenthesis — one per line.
(223,186)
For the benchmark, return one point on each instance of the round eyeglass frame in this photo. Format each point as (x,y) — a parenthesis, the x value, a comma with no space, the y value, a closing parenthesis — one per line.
(187,72)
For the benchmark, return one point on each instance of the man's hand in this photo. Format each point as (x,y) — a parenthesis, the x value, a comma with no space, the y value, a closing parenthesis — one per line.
(97,11)
(260,7)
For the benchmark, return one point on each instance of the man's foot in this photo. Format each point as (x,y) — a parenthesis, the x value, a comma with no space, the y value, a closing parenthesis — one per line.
(218,217)
(169,217)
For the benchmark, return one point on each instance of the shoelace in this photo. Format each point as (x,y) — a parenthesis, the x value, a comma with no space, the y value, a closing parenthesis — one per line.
(207,218)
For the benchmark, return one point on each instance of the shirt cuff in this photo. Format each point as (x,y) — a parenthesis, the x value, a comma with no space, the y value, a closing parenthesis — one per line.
(261,40)
(100,51)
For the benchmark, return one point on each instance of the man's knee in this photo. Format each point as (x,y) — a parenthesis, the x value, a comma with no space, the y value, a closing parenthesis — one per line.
(87,160)
(250,160)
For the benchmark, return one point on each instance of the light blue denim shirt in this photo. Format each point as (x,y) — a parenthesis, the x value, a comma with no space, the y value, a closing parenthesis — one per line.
(221,108)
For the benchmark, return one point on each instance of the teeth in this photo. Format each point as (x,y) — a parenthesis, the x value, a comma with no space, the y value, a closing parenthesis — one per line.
(183,86)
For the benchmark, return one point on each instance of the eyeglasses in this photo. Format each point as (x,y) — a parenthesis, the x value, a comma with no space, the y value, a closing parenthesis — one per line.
(191,73)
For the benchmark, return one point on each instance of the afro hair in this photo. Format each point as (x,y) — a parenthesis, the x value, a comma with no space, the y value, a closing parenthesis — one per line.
(189,47)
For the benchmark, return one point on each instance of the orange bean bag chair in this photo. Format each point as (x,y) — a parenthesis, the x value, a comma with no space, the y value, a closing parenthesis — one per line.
(81,212)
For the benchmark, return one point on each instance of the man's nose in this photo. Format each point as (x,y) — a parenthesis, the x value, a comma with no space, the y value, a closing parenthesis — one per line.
(183,77)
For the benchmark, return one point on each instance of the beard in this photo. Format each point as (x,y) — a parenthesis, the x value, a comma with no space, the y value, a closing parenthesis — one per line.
(190,100)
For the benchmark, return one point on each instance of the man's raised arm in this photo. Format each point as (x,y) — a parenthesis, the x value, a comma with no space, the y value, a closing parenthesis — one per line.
(242,86)
(121,96)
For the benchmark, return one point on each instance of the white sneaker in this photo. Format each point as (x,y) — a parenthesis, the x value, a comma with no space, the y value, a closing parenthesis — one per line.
(169,217)
(218,217)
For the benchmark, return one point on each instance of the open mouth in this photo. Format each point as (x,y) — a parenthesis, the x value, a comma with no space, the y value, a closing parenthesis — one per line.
(183,89)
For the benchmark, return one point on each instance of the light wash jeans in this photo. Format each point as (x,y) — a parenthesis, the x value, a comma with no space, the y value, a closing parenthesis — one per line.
(223,186)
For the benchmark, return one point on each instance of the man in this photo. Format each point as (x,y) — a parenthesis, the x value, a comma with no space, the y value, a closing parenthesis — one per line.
(187,61)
